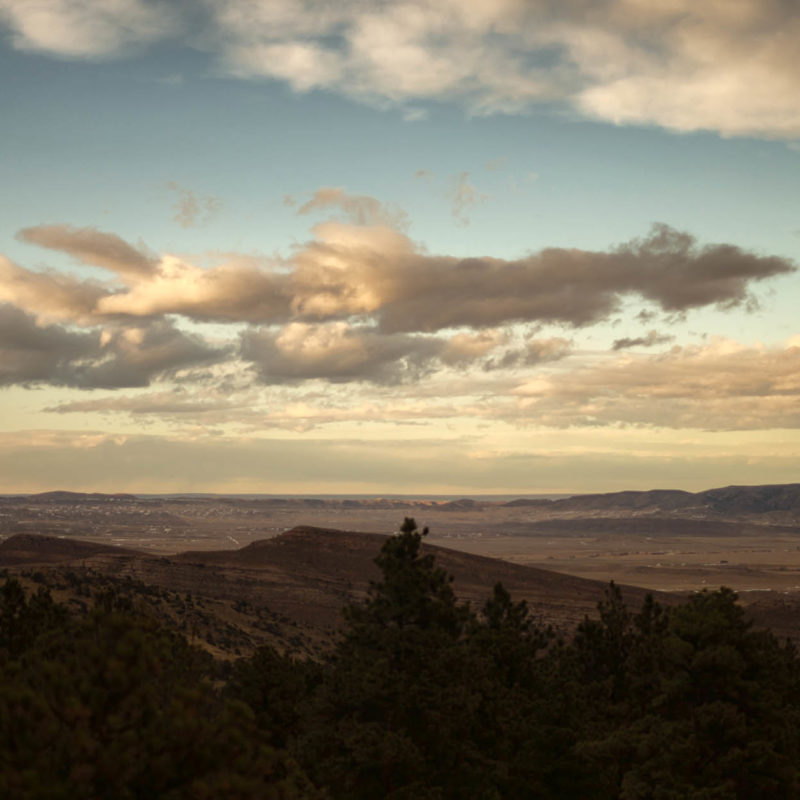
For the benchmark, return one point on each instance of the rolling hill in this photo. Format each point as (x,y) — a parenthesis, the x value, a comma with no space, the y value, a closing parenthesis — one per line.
(289,589)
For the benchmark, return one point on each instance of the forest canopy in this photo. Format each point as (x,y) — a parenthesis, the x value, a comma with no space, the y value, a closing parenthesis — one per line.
(422,696)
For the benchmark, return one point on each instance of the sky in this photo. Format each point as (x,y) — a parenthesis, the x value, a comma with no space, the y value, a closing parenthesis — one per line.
(496,246)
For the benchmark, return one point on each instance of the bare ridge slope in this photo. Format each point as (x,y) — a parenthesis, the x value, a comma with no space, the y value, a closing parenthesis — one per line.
(34,548)
(328,567)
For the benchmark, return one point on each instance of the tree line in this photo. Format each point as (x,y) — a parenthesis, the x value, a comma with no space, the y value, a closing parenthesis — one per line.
(422,697)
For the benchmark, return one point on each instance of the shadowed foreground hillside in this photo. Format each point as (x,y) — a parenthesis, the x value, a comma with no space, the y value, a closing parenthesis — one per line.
(420,696)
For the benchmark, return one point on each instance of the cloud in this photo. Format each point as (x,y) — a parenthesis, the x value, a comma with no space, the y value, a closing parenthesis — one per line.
(465,197)
(495,164)
(721,386)
(91,246)
(40,459)
(135,355)
(173,403)
(688,67)
(114,357)
(336,352)
(534,353)
(358,209)
(193,210)
(412,114)
(284,407)
(376,274)
(464,348)
(30,353)
(36,460)
(237,291)
(49,294)
(87,29)
(649,340)
(682,65)
(364,271)
(540,351)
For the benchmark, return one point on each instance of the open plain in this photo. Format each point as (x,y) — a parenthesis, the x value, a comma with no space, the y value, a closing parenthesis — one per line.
(747,538)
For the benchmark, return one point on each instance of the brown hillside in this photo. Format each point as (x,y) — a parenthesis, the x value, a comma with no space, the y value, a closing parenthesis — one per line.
(27,548)
(290,589)
(314,571)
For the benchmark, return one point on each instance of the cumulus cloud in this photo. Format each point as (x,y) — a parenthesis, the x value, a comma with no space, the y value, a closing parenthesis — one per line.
(30,353)
(87,28)
(113,357)
(359,302)
(365,271)
(680,64)
(464,348)
(723,385)
(49,294)
(236,291)
(135,355)
(533,353)
(336,352)
(720,386)
(376,273)
(540,351)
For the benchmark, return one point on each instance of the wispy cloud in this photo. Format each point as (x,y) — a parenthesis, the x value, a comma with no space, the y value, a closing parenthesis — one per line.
(93,247)
(193,210)
(650,339)
(720,386)
(358,209)
(465,198)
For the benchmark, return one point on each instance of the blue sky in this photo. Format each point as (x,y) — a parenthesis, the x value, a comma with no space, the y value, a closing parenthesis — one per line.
(409,247)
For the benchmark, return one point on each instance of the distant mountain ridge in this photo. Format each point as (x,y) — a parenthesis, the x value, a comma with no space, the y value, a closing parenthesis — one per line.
(61,496)
(725,500)
(759,499)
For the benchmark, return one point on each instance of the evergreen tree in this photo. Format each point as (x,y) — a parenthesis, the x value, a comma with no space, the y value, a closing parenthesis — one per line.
(23,619)
(395,714)
(114,706)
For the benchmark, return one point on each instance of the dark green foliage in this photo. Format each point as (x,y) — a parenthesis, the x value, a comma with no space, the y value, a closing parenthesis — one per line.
(276,687)
(425,698)
(22,619)
(691,703)
(114,706)
(390,716)
(422,698)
